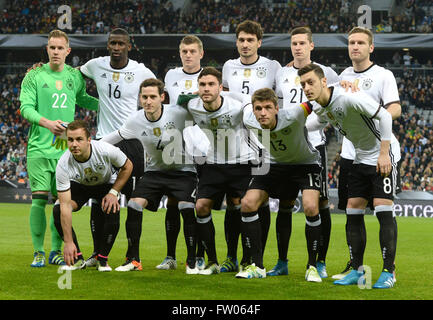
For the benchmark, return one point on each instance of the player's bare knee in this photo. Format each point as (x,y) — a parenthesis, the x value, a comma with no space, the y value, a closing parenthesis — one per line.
(136,205)
(382,202)
(203,207)
(250,204)
(311,208)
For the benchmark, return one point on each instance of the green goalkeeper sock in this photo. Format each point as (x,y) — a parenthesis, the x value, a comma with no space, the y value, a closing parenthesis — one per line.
(56,240)
(38,222)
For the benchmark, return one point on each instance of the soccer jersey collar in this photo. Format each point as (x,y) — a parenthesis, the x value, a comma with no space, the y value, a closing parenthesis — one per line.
(249,64)
(90,155)
(373,64)
(222,102)
(159,118)
(330,97)
(121,67)
(191,73)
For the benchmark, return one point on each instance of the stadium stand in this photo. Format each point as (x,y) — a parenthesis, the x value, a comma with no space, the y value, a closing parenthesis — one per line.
(208,16)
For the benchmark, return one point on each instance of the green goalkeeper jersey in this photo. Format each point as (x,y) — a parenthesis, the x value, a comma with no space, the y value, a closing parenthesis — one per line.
(52,95)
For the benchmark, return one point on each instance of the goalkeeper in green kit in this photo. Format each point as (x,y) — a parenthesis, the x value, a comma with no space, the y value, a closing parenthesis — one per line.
(48,97)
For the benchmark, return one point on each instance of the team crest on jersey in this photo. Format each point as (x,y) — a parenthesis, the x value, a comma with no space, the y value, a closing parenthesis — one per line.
(273,135)
(70,84)
(226,119)
(214,122)
(116,76)
(188,84)
(169,125)
(261,72)
(366,84)
(129,77)
(157,131)
(88,171)
(59,84)
(297,80)
(247,73)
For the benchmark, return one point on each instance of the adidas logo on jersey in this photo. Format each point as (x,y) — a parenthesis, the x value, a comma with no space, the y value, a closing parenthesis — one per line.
(45,86)
(104,75)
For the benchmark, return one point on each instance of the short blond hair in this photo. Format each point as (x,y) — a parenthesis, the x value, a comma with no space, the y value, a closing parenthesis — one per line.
(364,31)
(191,39)
(58,34)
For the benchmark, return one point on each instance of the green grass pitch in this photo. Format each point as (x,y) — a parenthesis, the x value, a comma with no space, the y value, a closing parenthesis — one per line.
(20,282)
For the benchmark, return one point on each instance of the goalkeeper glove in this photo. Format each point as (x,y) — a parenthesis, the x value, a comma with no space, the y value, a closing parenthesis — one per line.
(60,142)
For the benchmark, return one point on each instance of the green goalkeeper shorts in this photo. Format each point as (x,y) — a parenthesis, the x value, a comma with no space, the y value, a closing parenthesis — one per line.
(42,174)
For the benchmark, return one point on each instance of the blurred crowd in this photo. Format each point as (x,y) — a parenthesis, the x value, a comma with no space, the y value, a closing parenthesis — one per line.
(204,16)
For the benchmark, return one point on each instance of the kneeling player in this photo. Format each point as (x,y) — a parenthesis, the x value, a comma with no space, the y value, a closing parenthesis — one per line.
(84,172)
(166,171)
(293,162)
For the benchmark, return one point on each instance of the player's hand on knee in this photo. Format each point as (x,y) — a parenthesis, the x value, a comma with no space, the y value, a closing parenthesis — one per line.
(110,204)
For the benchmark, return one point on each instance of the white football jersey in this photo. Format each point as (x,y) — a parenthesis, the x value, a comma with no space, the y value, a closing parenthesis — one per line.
(247,78)
(225,131)
(290,94)
(352,114)
(118,91)
(379,83)
(95,171)
(288,142)
(161,139)
(177,82)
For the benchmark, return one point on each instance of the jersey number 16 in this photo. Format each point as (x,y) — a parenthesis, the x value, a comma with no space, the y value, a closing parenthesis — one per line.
(115,93)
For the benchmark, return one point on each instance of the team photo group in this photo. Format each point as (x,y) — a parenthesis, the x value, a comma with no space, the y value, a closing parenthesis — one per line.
(204,137)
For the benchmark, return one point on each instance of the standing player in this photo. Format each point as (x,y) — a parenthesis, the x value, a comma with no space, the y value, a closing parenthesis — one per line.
(290,95)
(48,97)
(165,173)
(84,172)
(294,166)
(380,84)
(181,80)
(246,74)
(117,80)
(227,168)
(372,176)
